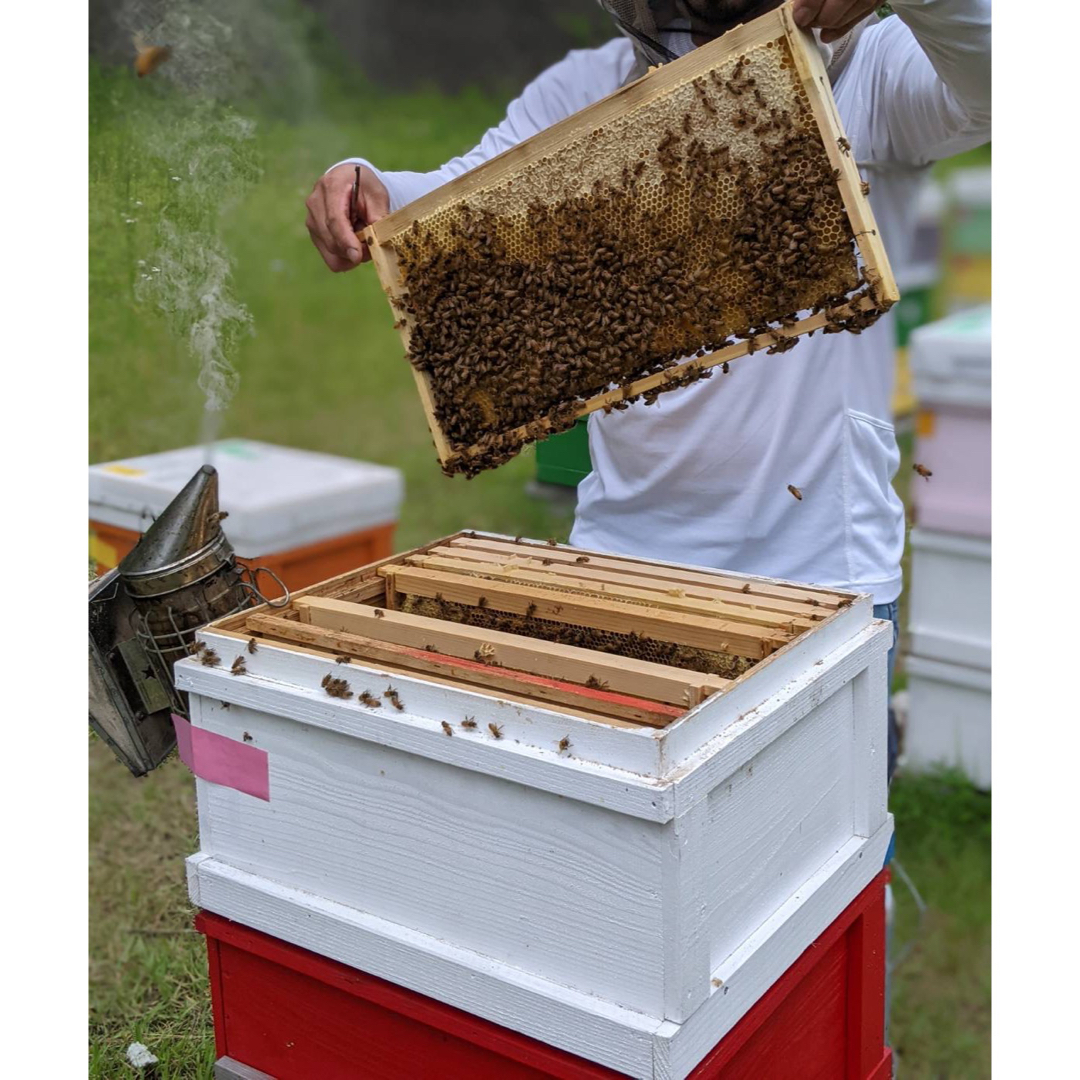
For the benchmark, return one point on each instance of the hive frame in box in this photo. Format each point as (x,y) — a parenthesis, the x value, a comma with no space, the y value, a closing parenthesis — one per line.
(691,934)
(772,26)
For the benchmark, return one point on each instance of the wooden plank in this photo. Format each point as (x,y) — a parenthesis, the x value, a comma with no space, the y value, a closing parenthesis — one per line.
(759,590)
(811,70)
(350,583)
(640,678)
(598,569)
(715,635)
(585,581)
(542,688)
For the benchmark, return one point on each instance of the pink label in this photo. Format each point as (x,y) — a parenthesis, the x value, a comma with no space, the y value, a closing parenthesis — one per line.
(222,760)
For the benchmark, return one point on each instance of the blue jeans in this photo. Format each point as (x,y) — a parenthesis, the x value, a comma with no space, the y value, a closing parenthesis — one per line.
(891,612)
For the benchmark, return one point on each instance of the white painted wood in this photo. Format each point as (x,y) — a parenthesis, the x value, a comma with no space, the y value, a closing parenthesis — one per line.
(748,972)
(581,1023)
(419,729)
(567,891)
(870,758)
(621,1039)
(686,852)
(778,819)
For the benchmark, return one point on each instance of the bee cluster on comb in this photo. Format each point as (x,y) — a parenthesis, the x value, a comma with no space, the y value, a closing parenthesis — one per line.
(698,224)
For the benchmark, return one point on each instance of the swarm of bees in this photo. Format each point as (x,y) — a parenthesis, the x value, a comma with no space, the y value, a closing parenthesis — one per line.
(515,334)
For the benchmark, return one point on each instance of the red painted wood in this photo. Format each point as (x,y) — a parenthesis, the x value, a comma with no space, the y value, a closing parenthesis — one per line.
(299,1016)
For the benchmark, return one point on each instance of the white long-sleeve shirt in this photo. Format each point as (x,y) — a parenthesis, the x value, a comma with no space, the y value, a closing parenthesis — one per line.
(702,475)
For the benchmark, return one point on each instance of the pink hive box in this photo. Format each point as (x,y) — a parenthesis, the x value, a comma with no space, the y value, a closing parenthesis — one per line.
(950,361)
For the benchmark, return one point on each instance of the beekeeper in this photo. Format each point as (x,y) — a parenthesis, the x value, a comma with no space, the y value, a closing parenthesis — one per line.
(703,475)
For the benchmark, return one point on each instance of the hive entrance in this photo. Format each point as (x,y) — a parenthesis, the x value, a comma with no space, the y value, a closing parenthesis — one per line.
(695,214)
(606,638)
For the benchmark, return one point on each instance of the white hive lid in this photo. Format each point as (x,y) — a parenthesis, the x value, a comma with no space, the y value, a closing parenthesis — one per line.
(950,359)
(277,498)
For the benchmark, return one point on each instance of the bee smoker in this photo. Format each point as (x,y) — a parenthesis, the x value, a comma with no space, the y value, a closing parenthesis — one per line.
(145,612)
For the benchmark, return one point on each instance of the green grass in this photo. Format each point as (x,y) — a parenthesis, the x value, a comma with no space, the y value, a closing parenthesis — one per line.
(324,370)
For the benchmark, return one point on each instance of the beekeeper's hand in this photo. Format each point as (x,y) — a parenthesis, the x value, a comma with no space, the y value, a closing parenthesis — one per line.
(834,18)
(328,213)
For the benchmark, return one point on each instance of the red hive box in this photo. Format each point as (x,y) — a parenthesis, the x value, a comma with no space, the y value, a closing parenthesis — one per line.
(288,1014)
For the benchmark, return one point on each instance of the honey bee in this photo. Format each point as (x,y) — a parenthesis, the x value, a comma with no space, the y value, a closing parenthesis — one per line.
(209,657)
(469,724)
(247,736)
(391,695)
(716,982)
(746,587)
(552,542)
(496,730)
(564,744)
(238,666)
(342,660)
(530,611)
(379,613)
(922,470)
(447,728)
(326,680)
(370,700)
(482,602)
(581,559)
(844,144)
(795,491)
(148,58)
(337,688)
(198,647)
(485,654)
(865,185)
(596,684)
(547,562)
(251,646)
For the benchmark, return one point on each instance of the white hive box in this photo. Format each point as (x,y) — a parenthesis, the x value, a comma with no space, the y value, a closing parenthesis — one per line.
(949,718)
(950,362)
(627,894)
(277,497)
(950,606)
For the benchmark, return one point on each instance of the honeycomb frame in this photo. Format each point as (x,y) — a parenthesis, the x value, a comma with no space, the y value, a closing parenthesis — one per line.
(718,133)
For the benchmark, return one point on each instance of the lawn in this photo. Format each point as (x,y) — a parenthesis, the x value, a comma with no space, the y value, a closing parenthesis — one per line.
(323,370)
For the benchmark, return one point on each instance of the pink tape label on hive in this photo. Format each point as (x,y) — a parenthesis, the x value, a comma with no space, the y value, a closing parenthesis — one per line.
(221,760)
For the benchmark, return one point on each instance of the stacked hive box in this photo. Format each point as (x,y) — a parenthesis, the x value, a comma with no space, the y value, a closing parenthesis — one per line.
(949,665)
(302,515)
(602,802)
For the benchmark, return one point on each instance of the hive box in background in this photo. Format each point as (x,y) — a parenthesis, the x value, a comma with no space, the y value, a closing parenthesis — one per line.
(621,891)
(950,361)
(303,515)
(949,718)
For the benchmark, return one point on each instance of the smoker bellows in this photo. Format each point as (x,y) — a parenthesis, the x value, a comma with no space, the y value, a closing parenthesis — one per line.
(695,213)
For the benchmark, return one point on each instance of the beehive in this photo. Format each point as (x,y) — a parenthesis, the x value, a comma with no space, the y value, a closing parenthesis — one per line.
(708,210)
(613,854)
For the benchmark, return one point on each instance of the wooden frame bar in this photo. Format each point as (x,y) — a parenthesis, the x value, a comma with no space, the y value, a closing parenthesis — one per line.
(753,591)
(714,635)
(640,678)
(541,688)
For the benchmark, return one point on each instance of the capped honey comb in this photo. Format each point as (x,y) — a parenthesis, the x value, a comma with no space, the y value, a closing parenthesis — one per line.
(706,211)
